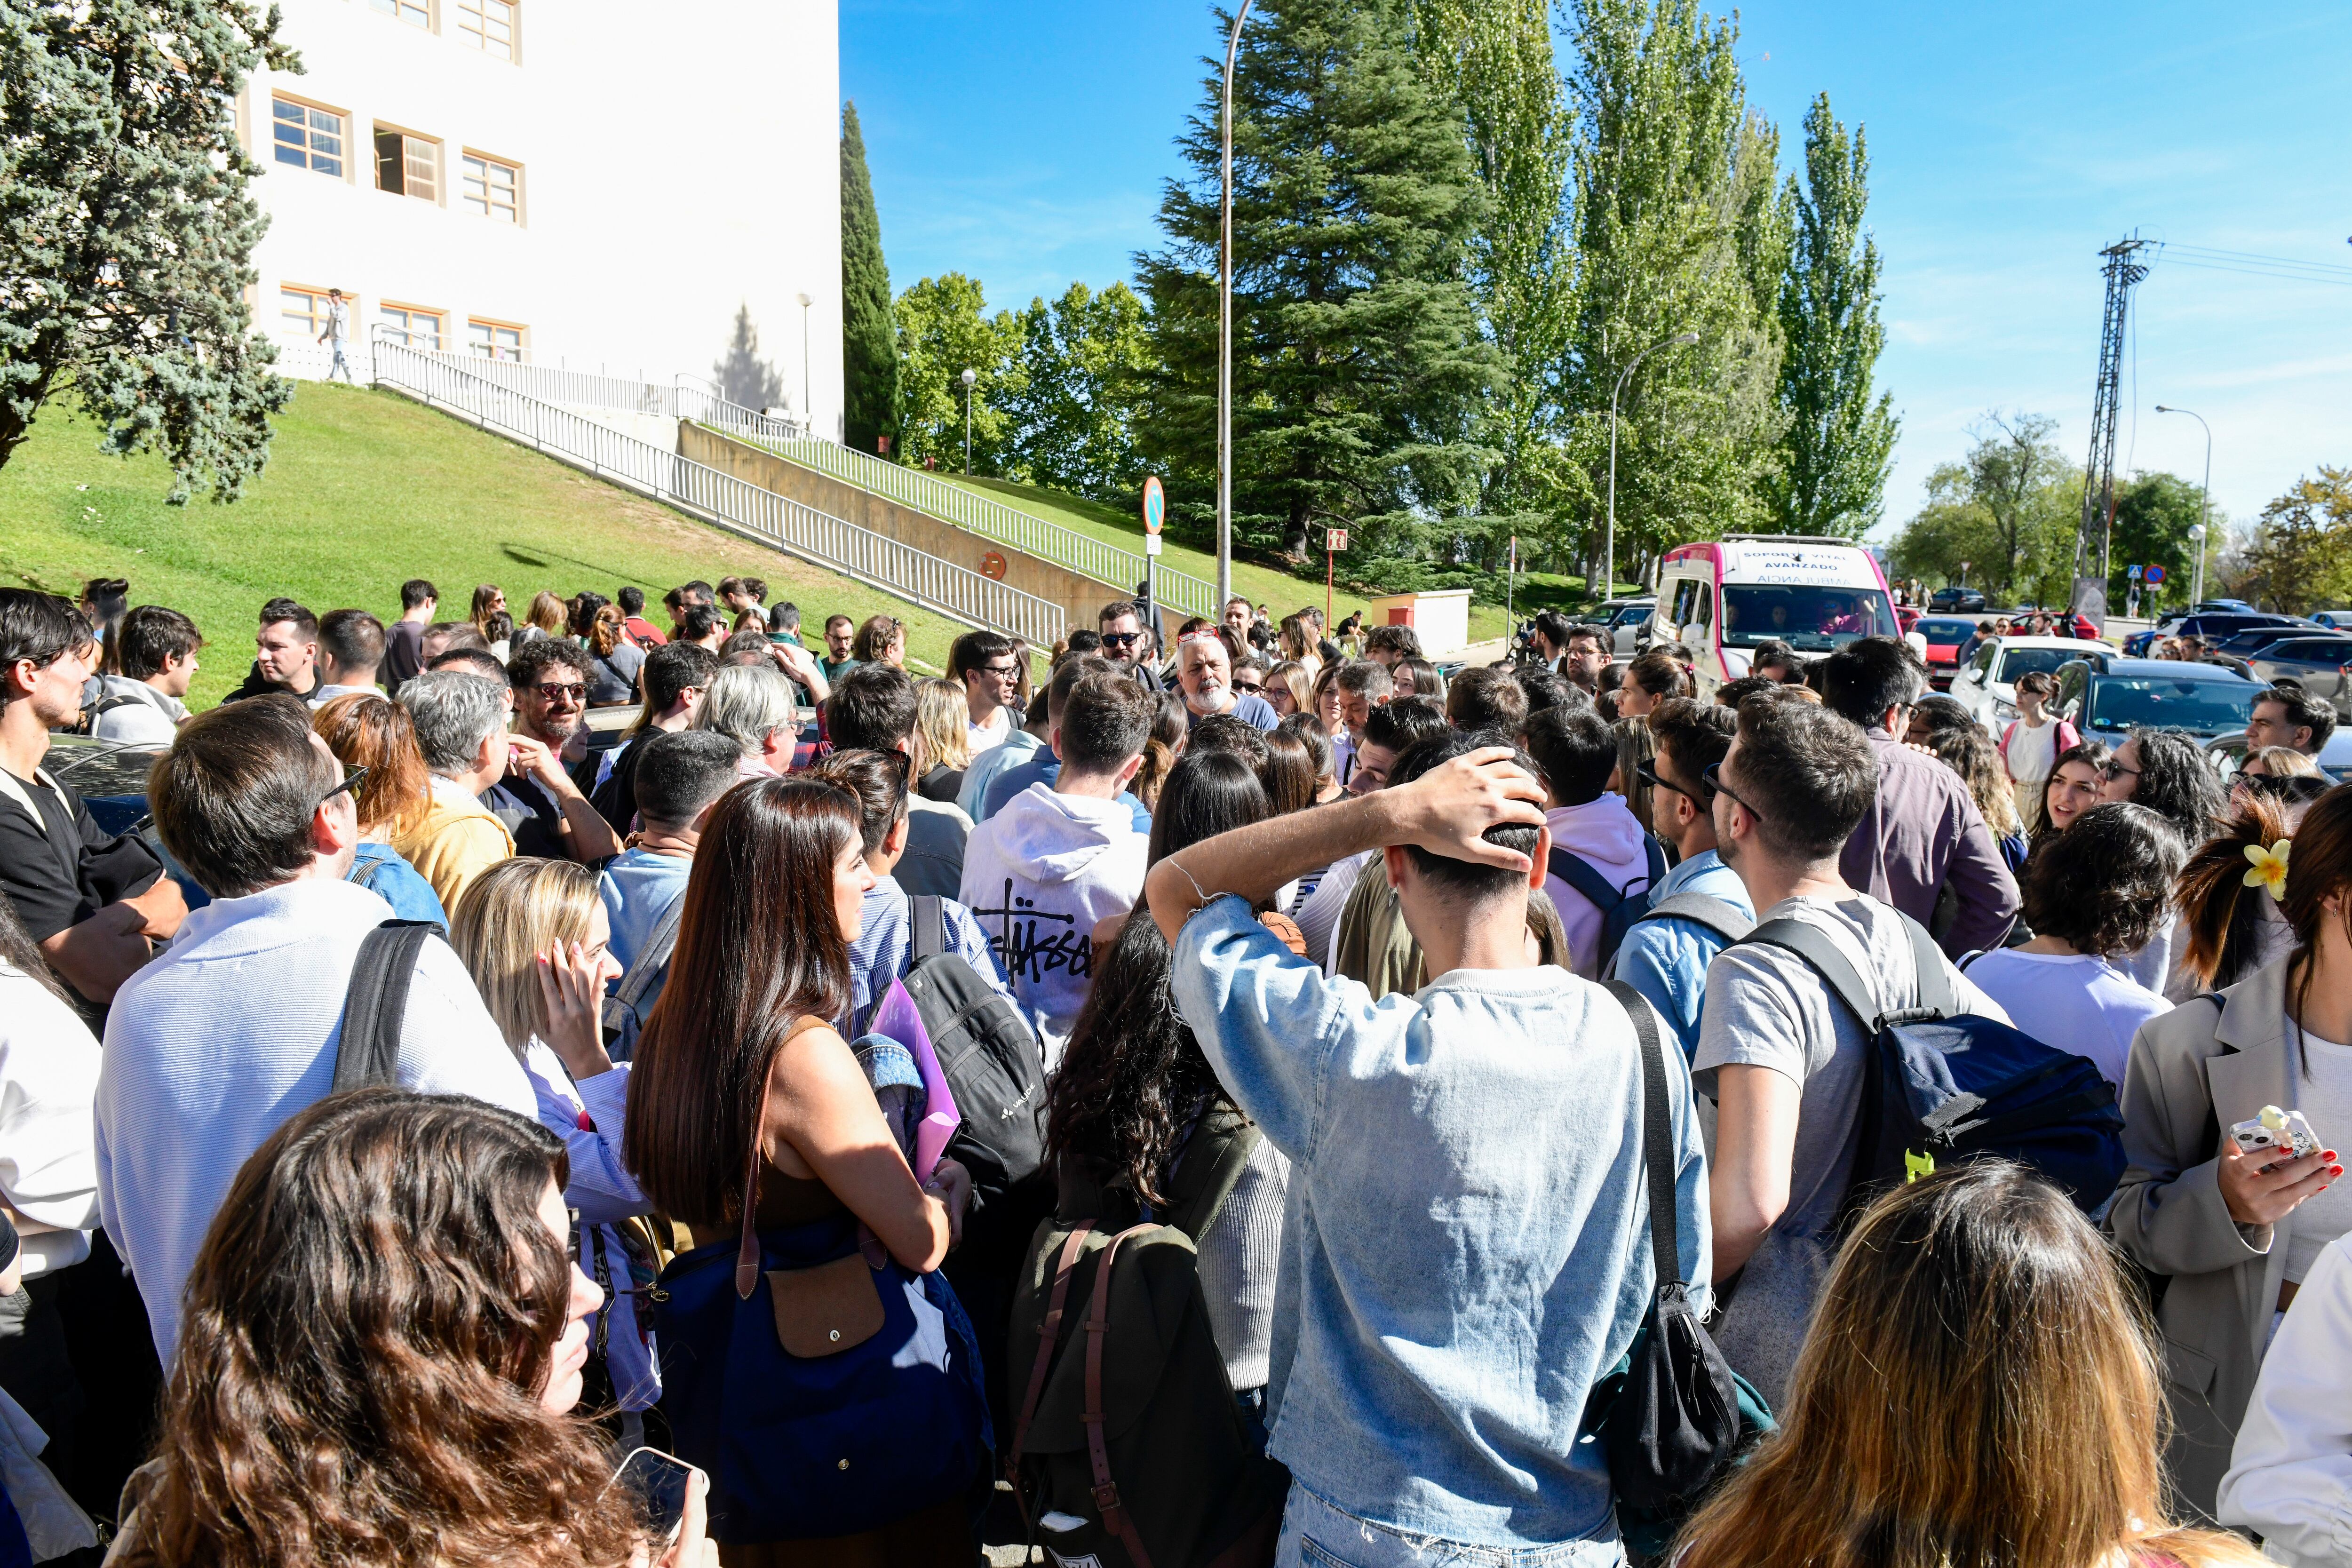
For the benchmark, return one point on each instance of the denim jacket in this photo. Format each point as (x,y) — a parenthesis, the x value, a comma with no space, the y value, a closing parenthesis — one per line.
(1467,1250)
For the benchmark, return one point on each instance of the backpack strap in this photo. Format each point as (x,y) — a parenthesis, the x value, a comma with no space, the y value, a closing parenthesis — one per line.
(654,958)
(1717,915)
(930,924)
(1579,874)
(1936,993)
(1228,1138)
(747,1248)
(1653,856)
(1105,1490)
(1829,961)
(1048,1333)
(1657,1136)
(376,1004)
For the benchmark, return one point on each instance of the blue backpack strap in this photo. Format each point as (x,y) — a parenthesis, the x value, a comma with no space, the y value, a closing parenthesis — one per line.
(1654,855)
(1579,873)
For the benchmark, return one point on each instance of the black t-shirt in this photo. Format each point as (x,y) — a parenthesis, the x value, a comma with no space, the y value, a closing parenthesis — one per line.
(404,653)
(532,815)
(255,686)
(63,869)
(615,799)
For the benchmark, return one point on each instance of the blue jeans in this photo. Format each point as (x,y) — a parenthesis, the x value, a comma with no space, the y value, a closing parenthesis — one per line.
(1316,1535)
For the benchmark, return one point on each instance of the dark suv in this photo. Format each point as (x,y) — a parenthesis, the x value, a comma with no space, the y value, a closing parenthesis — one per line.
(1955,601)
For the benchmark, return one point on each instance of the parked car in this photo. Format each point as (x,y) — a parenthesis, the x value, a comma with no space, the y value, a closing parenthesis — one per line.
(2212,625)
(2334,620)
(1718,601)
(2322,665)
(1986,684)
(2334,759)
(1622,620)
(1946,636)
(1956,601)
(2108,696)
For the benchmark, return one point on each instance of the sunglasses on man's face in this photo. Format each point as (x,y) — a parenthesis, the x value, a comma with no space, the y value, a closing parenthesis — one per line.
(1648,771)
(1121,640)
(550,690)
(1712,777)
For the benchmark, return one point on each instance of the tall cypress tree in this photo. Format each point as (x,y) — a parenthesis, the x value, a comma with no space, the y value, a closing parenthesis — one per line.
(1358,368)
(1839,441)
(869,334)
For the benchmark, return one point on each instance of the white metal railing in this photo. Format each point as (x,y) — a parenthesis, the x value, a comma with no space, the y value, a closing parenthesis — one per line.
(453,383)
(927,493)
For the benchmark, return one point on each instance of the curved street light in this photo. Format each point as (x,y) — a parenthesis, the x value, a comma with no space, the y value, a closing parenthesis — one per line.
(1226,331)
(1609,544)
(2204,504)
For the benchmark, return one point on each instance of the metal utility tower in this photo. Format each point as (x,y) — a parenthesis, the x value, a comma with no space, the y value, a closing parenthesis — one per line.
(2107,407)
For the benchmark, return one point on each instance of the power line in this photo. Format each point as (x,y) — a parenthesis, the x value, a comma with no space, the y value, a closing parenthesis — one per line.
(2247,263)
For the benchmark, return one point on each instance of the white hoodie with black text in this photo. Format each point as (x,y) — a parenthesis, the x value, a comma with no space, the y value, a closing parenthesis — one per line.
(1037,876)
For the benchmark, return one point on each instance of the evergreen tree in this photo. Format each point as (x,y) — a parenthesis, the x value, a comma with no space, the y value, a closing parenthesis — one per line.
(127,230)
(742,375)
(2302,554)
(1840,442)
(1358,368)
(869,335)
(942,333)
(1072,415)
(1673,179)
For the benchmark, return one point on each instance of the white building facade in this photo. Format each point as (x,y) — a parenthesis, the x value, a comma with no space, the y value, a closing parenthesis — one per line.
(586,184)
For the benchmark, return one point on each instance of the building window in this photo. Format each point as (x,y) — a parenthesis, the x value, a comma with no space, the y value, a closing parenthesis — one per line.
(407,165)
(495,340)
(491,188)
(307,138)
(408,11)
(303,312)
(423,329)
(489,25)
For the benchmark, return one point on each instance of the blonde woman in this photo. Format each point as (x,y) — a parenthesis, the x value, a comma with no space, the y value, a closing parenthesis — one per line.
(1979,1390)
(882,639)
(1298,643)
(942,739)
(545,618)
(1290,688)
(535,937)
(376,736)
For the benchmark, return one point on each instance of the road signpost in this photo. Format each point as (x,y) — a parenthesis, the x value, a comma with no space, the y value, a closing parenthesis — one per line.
(1334,540)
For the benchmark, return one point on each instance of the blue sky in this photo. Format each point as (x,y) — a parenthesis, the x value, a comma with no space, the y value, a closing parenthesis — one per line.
(1024,141)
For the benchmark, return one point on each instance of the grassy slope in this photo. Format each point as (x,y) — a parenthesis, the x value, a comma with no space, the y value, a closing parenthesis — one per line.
(1279,591)
(365,490)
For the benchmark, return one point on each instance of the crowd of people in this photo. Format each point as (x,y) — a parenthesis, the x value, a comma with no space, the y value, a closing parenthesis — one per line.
(444,1092)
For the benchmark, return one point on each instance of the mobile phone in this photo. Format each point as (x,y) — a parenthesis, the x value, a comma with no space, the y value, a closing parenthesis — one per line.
(659,1482)
(2272,1130)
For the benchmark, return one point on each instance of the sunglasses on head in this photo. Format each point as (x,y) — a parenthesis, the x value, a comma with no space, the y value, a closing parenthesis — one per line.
(352,778)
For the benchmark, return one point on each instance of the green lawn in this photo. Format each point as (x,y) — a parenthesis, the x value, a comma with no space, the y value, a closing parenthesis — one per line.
(1279,591)
(365,490)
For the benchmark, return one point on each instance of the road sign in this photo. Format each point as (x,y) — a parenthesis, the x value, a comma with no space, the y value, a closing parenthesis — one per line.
(2155,576)
(991,567)
(1155,509)
(1151,544)
(1339,539)
(2133,572)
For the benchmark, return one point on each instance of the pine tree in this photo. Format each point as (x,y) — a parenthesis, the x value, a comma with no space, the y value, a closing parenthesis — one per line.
(869,334)
(127,230)
(1359,369)
(1673,179)
(1839,442)
(742,375)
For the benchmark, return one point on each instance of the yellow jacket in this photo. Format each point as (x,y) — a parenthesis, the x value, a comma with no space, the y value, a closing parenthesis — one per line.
(454,842)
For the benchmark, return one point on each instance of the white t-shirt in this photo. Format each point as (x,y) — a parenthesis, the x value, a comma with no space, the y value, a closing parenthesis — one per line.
(988,736)
(2070,1002)
(48,1080)
(2032,750)
(2323,1092)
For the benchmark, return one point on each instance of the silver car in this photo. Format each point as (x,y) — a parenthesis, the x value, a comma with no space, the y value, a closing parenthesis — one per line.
(2319,663)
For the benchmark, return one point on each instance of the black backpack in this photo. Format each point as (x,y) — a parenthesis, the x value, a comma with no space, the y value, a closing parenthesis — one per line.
(376,1004)
(992,1062)
(1938,1088)
(1619,907)
(1129,1435)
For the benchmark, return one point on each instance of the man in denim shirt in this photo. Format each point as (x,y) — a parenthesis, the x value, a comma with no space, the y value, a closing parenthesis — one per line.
(1467,1250)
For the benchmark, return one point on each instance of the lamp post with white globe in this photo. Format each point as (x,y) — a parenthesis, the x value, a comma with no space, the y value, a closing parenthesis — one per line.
(2204,504)
(969,376)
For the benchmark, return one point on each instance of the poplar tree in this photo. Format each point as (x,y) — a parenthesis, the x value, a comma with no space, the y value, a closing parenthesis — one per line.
(1358,368)
(869,334)
(127,228)
(1840,440)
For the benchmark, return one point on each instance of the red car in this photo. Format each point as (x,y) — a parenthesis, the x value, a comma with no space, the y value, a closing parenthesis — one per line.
(1946,636)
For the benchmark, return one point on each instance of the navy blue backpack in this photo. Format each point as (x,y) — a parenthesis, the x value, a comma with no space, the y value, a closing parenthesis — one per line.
(1619,907)
(1938,1089)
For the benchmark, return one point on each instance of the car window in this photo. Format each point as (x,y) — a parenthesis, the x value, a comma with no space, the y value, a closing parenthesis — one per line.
(2199,707)
(1982,665)
(2070,691)
(1813,619)
(2313,650)
(2020,661)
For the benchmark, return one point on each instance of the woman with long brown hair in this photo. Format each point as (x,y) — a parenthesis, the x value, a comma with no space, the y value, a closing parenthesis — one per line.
(614,661)
(750,1121)
(379,1357)
(1979,1390)
(489,599)
(2235,1232)
(376,736)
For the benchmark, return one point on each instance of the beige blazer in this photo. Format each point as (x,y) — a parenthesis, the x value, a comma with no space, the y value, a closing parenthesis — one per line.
(2195,1072)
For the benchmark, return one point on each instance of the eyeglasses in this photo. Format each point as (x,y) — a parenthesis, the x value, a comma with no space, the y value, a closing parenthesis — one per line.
(2111,769)
(352,778)
(1006,671)
(550,690)
(1121,640)
(1256,685)
(1712,777)
(1648,773)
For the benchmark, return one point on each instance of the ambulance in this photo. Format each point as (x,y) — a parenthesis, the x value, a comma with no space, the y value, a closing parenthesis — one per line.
(1719,601)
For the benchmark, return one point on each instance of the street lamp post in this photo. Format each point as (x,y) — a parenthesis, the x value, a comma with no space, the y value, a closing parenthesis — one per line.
(2204,503)
(1609,544)
(808,403)
(1226,331)
(969,376)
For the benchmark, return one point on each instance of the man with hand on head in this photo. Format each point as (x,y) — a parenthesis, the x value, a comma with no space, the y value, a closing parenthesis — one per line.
(1509,1082)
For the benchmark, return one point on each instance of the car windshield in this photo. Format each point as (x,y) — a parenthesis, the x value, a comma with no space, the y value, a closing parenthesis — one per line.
(2027,660)
(1804,617)
(1946,631)
(2200,707)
